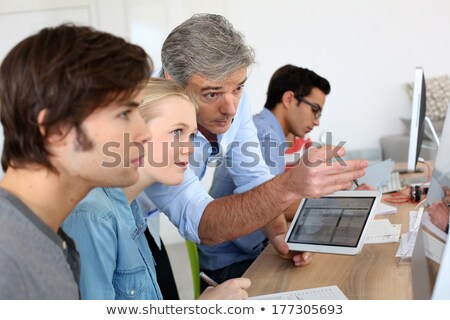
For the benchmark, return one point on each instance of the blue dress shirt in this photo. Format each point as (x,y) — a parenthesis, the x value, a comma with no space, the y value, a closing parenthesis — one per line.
(273,146)
(116,261)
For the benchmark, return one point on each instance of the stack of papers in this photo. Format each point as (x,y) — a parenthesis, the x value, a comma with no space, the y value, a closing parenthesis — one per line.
(406,247)
(321,293)
(383,208)
(377,174)
(433,247)
(382,231)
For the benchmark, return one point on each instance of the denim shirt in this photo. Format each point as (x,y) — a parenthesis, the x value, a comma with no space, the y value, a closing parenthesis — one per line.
(273,146)
(238,148)
(116,261)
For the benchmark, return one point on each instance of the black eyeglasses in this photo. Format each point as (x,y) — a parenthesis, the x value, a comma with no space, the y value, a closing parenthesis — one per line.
(316,109)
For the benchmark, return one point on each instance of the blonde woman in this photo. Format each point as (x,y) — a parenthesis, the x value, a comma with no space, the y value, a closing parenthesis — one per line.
(108,226)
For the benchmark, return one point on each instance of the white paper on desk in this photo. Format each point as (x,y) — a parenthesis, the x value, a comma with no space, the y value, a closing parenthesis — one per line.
(404,249)
(383,208)
(407,240)
(377,174)
(320,293)
(382,231)
(433,247)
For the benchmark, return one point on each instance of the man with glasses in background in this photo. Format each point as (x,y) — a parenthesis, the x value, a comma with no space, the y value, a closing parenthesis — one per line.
(295,100)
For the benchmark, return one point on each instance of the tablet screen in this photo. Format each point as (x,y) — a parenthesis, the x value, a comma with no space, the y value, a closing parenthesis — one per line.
(332,221)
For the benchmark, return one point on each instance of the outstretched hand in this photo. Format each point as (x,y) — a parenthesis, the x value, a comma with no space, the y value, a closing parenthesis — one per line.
(316,175)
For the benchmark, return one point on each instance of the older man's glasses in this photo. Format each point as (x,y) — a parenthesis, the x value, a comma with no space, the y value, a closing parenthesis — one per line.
(316,109)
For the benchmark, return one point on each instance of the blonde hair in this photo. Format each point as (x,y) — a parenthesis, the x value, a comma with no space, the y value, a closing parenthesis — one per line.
(157,89)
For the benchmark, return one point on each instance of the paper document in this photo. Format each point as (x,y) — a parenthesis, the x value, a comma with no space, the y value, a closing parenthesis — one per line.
(382,231)
(383,208)
(433,247)
(408,240)
(321,293)
(377,174)
(405,249)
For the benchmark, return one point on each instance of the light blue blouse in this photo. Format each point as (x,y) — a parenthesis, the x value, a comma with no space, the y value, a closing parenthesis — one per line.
(116,261)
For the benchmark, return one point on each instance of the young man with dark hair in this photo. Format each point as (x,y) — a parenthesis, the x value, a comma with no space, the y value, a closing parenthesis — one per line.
(67,95)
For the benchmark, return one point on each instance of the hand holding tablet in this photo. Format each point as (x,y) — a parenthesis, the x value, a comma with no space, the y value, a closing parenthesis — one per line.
(336,223)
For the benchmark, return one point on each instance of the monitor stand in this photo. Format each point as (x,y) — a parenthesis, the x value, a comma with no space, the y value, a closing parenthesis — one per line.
(436,139)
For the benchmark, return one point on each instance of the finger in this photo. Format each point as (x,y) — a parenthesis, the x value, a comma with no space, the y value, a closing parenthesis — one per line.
(344,177)
(302,259)
(329,189)
(244,295)
(279,244)
(345,166)
(339,181)
(327,152)
(244,283)
(337,167)
(208,289)
(365,186)
(314,157)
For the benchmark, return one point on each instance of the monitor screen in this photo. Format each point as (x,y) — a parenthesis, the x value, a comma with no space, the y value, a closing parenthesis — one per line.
(432,250)
(417,119)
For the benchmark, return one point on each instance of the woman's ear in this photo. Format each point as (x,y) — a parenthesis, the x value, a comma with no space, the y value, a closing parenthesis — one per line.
(167,75)
(40,121)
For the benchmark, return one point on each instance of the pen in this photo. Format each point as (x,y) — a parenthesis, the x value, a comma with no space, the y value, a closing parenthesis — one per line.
(208,280)
(356,182)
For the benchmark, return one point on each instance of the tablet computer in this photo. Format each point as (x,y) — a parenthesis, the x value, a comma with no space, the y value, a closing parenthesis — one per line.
(336,223)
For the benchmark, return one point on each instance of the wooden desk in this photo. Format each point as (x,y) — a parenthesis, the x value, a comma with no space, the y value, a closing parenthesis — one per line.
(375,273)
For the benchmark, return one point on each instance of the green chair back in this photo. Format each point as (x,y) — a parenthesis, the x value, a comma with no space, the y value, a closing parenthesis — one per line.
(195,266)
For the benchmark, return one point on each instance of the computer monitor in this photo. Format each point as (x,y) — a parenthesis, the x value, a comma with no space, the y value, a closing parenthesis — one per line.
(424,285)
(417,119)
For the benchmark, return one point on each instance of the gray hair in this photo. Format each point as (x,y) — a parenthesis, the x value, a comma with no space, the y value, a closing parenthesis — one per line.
(206,45)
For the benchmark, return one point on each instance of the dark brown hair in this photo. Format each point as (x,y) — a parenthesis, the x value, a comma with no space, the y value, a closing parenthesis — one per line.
(296,79)
(70,71)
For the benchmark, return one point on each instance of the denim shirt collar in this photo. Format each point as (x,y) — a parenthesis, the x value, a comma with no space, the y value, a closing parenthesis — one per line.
(137,223)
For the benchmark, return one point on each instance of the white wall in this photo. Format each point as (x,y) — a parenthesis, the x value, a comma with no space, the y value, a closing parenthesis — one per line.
(367,50)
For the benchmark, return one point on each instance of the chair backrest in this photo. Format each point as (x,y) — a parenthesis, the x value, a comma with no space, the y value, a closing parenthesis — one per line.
(195,266)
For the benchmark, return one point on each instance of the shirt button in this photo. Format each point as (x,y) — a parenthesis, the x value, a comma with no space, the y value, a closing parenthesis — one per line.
(132,292)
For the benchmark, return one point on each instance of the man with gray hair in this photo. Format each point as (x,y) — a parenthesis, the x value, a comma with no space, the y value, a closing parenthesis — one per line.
(210,58)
